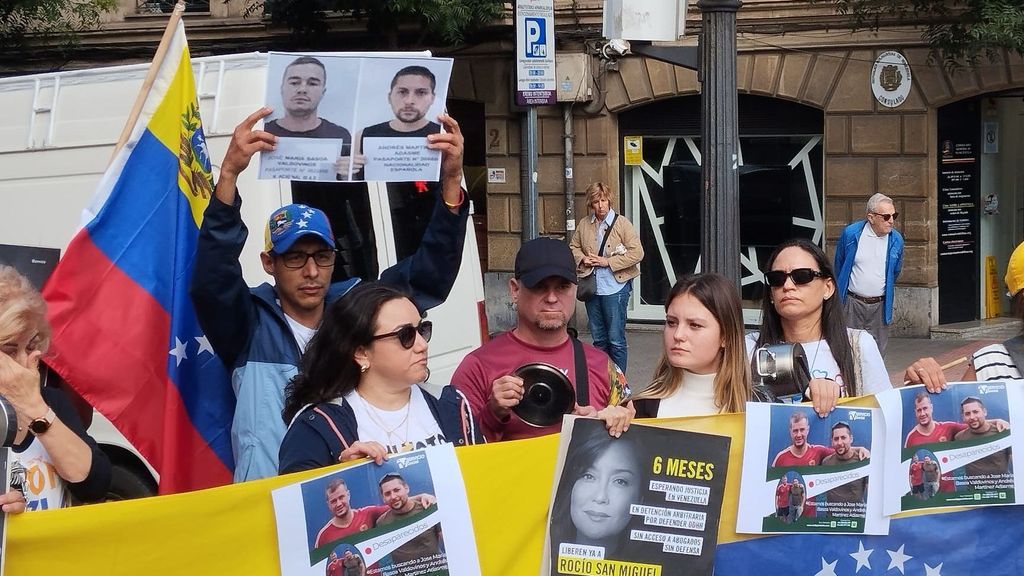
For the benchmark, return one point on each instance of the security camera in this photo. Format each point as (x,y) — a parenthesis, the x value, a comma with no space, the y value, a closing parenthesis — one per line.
(615,48)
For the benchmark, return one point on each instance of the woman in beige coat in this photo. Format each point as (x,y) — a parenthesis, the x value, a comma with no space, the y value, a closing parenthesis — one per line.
(615,269)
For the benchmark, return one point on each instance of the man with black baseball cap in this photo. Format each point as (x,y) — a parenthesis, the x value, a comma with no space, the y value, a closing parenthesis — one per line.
(543,290)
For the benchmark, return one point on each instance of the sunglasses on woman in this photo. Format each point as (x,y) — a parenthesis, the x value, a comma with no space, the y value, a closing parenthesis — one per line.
(407,334)
(800,276)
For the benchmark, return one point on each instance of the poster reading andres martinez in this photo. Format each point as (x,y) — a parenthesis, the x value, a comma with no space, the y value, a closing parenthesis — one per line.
(954,448)
(811,474)
(646,503)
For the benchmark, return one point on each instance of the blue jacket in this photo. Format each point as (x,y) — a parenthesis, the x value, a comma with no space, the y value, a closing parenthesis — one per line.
(312,441)
(248,331)
(846,251)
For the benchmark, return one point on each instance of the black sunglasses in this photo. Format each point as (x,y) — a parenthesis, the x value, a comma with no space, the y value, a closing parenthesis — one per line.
(886,217)
(407,334)
(800,276)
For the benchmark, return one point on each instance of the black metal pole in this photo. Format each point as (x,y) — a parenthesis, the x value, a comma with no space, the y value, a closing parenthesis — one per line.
(720,197)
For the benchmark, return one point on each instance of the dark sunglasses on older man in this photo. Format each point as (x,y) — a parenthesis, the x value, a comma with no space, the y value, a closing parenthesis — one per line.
(800,276)
(886,217)
(407,334)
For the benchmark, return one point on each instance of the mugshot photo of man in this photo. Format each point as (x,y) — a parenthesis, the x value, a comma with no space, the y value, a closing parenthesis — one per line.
(303,86)
(394,491)
(411,95)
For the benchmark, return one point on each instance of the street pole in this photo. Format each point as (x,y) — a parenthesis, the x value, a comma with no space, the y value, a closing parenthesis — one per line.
(720,196)
(528,174)
(715,62)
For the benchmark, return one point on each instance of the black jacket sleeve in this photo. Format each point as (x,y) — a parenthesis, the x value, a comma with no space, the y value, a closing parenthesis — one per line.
(428,274)
(223,302)
(95,486)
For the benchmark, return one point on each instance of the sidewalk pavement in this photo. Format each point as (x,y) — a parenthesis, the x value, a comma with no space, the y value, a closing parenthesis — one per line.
(645,347)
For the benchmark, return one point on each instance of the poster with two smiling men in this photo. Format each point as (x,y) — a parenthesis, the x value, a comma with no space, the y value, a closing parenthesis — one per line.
(354,117)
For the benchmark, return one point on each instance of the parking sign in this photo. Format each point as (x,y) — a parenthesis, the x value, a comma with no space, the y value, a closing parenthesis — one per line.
(535,52)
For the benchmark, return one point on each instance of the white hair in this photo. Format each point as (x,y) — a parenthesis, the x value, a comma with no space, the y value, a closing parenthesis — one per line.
(876,199)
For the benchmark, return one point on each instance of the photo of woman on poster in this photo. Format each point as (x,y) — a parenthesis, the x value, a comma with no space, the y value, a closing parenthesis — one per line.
(601,478)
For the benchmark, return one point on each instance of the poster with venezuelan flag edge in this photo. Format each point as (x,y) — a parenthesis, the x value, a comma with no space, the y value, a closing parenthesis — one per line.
(125,334)
(953,448)
(811,474)
(231,530)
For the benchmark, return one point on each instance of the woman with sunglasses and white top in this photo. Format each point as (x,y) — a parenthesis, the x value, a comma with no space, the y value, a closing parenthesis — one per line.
(801,305)
(361,390)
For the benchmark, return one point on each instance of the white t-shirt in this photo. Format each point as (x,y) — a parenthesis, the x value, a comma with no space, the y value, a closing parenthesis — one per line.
(44,488)
(302,334)
(874,377)
(694,397)
(402,430)
(868,275)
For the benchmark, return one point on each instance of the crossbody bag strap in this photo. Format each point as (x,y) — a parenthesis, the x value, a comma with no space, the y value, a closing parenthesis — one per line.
(600,250)
(582,379)
(330,423)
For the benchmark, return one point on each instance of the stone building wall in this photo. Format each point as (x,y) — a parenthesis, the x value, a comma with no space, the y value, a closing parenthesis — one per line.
(868,148)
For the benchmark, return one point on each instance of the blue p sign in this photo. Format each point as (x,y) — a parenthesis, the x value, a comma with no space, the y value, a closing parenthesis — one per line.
(536,38)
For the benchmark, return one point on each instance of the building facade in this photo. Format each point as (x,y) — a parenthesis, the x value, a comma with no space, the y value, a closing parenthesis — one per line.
(815,143)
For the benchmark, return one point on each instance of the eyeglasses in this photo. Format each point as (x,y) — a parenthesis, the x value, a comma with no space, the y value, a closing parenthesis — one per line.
(296,260)
(800,276)
(886,217)
(407,334)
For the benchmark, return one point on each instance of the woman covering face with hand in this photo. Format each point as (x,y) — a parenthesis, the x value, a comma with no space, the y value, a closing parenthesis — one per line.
(801,306)
(362,390)
(606,476)
(53,457)
(704,367)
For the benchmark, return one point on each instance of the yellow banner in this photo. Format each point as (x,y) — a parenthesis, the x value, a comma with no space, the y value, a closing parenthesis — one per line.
(231,530)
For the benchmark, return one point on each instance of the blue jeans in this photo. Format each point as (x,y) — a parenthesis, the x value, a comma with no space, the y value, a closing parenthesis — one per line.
(607,318)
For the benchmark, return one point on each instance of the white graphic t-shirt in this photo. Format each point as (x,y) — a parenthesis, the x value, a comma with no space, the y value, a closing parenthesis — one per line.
(409,428)
(44,489)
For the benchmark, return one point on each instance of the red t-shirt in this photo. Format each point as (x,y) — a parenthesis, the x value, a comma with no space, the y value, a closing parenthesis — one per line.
(943,432)
(812,456)
(362,519)
(915,474)
(782,496)
(502,356)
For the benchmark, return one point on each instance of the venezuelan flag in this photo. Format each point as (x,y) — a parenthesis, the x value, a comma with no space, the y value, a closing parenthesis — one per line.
(125,335)
(230,531)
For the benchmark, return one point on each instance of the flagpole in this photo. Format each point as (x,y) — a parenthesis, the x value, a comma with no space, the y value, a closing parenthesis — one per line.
(147,84)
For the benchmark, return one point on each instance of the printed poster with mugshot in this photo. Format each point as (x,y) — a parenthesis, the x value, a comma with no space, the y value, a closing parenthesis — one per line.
(956,448)
(811,474)
(645,504)
(354,117)
(407,516)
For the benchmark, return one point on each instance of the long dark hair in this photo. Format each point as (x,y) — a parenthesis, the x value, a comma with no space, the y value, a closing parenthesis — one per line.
(833,319)
(328,369)
(732,382)
(579,459)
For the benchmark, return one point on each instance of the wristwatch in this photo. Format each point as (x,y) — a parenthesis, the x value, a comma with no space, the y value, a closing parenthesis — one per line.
(41,425)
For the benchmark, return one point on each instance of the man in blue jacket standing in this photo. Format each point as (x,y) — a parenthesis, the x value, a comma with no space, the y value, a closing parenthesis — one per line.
(260,333)
(869,258)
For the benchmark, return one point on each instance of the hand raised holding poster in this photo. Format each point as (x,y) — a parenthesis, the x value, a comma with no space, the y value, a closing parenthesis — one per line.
(393,101)
(647,502)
